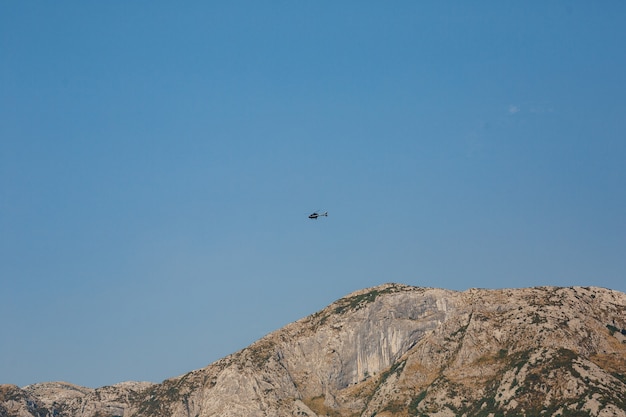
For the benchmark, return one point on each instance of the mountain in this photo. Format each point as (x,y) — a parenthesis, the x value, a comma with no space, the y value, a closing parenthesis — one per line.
(393,350)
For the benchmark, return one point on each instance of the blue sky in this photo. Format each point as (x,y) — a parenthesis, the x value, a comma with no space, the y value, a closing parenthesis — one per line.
(158,162)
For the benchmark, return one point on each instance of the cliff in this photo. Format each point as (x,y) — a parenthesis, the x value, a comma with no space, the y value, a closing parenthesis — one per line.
(394,350)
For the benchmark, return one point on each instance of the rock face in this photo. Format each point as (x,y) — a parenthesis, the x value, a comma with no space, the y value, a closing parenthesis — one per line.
(394,350)
(62,399)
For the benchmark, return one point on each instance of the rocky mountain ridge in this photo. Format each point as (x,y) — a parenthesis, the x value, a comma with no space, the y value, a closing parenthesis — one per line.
(394,350)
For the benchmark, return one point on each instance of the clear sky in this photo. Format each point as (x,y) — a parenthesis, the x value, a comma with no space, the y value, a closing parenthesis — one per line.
(158,161)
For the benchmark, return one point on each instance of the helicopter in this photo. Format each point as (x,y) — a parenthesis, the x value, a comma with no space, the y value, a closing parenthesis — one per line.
(316,214)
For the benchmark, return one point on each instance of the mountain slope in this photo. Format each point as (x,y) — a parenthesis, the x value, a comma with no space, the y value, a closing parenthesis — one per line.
(396,350)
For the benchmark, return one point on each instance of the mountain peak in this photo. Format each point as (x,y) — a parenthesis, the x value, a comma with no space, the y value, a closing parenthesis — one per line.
(398,350)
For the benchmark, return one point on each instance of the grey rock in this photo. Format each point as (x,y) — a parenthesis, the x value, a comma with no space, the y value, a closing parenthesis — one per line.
(394,350)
